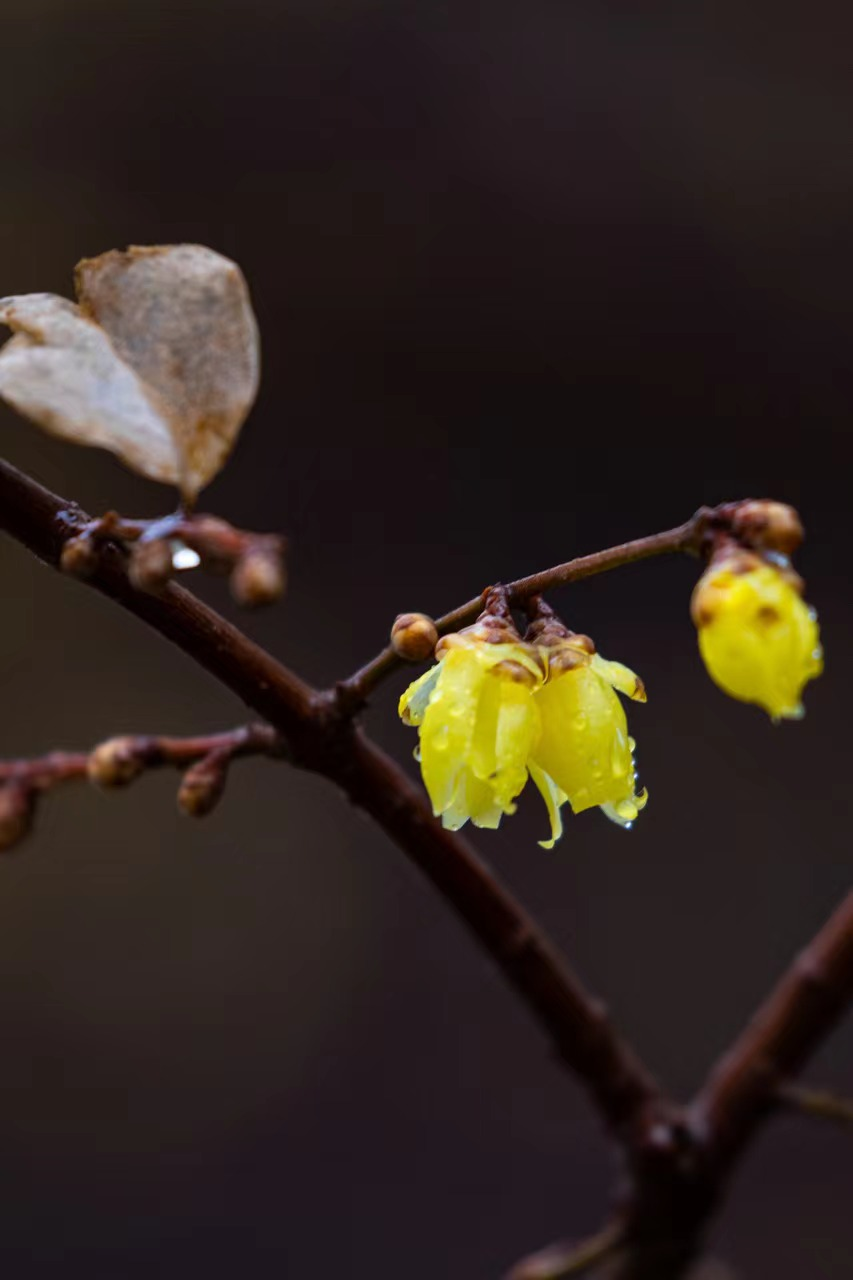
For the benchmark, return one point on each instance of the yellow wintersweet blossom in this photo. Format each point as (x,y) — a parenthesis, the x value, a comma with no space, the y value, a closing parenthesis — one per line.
(758,638)
(584,754)
(477,721)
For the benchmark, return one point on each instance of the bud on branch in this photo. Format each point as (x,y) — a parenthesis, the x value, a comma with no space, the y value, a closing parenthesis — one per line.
(119,761)
(161,549)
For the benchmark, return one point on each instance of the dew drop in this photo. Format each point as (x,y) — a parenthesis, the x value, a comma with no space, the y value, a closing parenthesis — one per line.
(183,557)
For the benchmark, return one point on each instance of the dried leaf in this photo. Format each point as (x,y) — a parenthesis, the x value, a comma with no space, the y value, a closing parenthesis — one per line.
(180,316)
(159,363)
(62,371)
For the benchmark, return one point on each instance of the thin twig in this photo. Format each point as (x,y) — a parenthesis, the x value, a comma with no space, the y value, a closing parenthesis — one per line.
(818,1103)
(162,548)
(43,773)
(563,1260)
(119,761)
(686,537)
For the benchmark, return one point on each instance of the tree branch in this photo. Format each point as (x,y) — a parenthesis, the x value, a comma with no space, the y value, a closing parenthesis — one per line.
(318,737)
(794,1020)
(687,537)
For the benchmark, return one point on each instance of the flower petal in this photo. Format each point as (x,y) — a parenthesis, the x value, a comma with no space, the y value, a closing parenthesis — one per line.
(517,730)
(620,677)
(414,702)
(554,799)
(448,725)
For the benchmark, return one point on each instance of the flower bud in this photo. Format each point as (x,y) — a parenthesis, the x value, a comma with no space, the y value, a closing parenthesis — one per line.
(17,810)
(202,786)
(258,578)
(768,526)
(79,556)
(151,566)
(414,637)
(759,640)
(116,762)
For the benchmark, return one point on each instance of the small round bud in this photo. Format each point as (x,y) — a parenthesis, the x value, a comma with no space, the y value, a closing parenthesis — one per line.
(768,526)
(115,762)
(79,556)
(202,786)
(258,578)
(151,566)
(17,810)
(414,637)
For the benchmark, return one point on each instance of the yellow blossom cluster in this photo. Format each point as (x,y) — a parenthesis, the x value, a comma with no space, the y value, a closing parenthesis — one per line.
(497,709)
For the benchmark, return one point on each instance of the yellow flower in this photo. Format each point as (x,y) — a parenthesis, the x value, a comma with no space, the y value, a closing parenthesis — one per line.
(583,754)
(759,640)
(477,720)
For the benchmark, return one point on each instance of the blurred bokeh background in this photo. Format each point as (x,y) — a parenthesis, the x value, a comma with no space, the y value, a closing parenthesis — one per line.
(532,279)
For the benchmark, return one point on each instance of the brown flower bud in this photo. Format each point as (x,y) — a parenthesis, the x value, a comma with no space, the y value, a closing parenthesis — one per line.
(17,810)
(414,637)
(258,578)
(202,786)
(116,762)
(79,556)
(768,526)
(150,566)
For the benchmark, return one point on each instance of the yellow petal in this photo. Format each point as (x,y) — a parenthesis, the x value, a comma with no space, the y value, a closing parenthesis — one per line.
(554,798)
(482,760)
(472,799)
(517,730)
(584,743)
(413,703)
(622,678)
(448,725)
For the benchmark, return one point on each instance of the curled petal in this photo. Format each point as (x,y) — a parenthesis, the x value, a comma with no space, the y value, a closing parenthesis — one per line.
(620,677)
(414,702)
(554,800)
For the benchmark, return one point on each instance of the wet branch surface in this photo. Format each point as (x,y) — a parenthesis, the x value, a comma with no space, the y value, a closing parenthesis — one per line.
(678,1159)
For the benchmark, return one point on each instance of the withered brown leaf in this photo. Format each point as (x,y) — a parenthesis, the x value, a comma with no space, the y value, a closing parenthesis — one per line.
(159,362)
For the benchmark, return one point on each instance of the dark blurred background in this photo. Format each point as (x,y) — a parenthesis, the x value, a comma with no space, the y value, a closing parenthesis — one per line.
(532,279)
